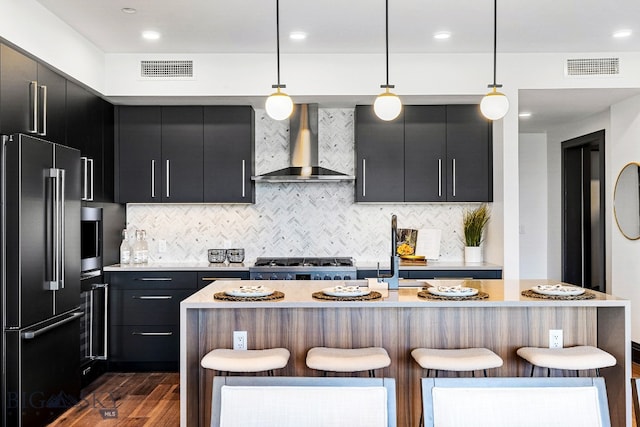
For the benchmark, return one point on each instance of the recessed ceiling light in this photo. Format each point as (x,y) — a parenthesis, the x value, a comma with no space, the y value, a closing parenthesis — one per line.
(525,114)
(442,35)
(150,35)
(128,10)
(297,35)
(622,34)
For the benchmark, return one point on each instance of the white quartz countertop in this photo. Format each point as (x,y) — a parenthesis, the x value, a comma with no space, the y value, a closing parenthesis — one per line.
(365,265)
(298,294)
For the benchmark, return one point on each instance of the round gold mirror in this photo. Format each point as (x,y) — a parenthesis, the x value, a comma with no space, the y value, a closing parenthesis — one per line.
(626,201)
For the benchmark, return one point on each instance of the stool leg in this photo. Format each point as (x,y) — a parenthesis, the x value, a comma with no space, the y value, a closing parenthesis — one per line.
(577,373)
(428,372)
(597,372)
(473,374)
(485,372)
(548,372)
(532,369)
(372,373)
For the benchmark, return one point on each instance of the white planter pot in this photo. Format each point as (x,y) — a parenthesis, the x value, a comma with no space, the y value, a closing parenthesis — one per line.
(472,254)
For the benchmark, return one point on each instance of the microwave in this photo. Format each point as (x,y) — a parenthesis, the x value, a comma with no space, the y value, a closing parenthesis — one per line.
(90,239)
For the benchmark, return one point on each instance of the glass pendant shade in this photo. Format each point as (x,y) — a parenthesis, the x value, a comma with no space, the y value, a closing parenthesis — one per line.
(279,105)
(494,105)
(387,106)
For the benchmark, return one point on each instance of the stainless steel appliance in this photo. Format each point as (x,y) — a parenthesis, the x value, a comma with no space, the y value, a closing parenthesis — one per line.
(90,239)
(311,268)
(93,296)
(40,256)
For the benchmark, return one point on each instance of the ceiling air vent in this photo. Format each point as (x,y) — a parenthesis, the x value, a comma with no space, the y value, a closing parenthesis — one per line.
(166,69)
(593,67)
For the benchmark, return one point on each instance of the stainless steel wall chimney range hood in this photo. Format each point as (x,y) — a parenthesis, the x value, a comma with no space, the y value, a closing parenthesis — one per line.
(303,151)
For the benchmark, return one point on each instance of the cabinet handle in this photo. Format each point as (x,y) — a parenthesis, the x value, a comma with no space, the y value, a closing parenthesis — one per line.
(439,177)
(168,167)
(153,334)
(85,178)
(153,297)
(364,177)
(243,171)
(43,131)
(213,279)
(153,178)
(154,279)
(454,177)
(33,89)
(90,198)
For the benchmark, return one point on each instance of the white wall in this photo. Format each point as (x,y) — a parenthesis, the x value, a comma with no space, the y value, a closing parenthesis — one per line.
(625,254)
(533,206)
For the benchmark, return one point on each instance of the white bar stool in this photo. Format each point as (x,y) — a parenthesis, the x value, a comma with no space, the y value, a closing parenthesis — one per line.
(348,359)
(581,357)
(459,359)
(227,360)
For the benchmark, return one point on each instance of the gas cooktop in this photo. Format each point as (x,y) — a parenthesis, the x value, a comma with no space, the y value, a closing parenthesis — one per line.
(303,268)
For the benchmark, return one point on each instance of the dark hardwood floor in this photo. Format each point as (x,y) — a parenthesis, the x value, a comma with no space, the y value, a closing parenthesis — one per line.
(139,399)
(127,400)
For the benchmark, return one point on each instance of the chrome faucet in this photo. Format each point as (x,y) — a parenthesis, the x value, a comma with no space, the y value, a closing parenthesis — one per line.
(392,279)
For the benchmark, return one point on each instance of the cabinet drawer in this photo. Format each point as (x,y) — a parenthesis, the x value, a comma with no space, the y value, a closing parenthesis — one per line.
(147,307)
(455,274)
(207,277)
(145,343)
(154,280)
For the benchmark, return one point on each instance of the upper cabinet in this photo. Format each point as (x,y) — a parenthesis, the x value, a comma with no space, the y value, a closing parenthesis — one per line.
(32,97)
(185,154)
(431,153)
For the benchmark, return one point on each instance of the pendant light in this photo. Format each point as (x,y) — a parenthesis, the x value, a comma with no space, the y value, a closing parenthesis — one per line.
(387,105)
(494,105)
(278,105)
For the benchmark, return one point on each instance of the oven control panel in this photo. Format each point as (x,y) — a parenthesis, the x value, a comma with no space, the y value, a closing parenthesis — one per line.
(317,275)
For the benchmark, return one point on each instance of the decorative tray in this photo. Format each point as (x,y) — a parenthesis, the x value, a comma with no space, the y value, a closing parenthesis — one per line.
(558,290)
(249,291)
(346,291)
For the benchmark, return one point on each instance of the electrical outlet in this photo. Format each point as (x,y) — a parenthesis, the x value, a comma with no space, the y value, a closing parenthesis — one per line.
(555,338)
(162,246)
(239,340)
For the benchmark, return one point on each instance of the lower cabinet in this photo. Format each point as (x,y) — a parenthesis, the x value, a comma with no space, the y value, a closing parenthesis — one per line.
(144,315)
(144,319)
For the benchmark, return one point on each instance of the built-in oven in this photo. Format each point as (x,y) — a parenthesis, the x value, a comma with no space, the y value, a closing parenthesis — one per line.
(94,297)
(90,239)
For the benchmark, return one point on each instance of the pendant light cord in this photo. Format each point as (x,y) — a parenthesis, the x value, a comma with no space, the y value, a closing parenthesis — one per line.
(278,39)
(495,38)
(386,32)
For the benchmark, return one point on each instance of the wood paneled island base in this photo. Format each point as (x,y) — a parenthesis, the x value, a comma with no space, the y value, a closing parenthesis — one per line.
(400,322)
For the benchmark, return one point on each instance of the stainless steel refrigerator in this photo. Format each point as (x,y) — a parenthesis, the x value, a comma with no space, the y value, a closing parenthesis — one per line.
(40,255)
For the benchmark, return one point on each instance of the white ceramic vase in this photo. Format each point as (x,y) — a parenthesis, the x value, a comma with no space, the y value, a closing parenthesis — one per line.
(472,254)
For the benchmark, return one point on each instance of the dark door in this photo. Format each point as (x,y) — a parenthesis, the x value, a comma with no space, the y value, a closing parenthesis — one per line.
(182,154)
(379,157)
(53,102)
(140,155)
(68,297)
(425,153)
(43,378)
(469,155)
(18,77)
(583,233)
(228,154)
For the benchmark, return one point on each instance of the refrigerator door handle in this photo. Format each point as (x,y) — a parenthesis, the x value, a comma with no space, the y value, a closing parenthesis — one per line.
(62,239)
(57,212)
(31,334)
(106,322)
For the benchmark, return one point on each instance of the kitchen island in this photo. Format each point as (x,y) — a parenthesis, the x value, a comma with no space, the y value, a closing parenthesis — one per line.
(400,321)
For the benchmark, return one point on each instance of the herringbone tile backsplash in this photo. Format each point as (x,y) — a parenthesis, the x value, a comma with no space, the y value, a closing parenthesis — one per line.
(288,219)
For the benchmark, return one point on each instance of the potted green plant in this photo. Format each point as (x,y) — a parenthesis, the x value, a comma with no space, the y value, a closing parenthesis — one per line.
(474,222)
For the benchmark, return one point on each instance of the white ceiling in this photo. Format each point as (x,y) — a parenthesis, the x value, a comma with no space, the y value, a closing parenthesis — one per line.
(349,26)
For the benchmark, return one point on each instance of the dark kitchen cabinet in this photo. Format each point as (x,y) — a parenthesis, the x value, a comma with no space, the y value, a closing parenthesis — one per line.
(140,151)
(425,153)
(144,318)
(185,154)
(160,154)
(379,157)
(182,149)
(32,97)
(207,277)
(469,155)
(429,154)
(90,130)
(228,154)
